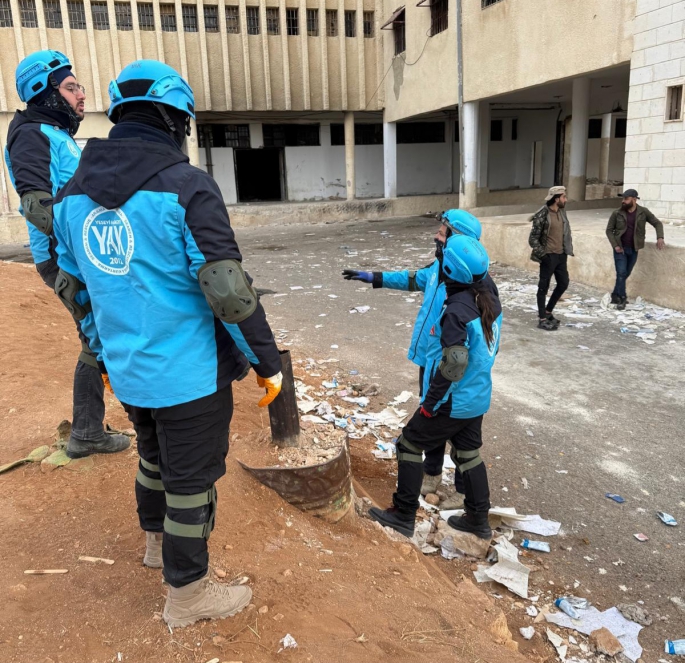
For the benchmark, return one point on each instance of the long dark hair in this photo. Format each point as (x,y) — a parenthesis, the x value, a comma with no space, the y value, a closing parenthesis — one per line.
(486,306)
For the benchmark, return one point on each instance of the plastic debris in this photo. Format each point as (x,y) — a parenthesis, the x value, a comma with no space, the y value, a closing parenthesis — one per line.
(674,647)
(532,611)
(641,537)
(540,546)
(360,309)
(667,518)
(558,643)
(616,498)
(578,603)
(332,384)
(401,398)
(288,642)
(528,632)
(566,607)
(384,450)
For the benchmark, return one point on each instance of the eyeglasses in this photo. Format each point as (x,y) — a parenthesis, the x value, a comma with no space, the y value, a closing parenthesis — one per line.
(74,88)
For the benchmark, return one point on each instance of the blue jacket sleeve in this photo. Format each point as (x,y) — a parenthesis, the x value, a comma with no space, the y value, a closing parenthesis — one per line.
(209,238)
(453,333)
(405,280)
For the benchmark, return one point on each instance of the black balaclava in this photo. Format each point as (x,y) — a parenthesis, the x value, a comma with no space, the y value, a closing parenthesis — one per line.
(171,121)
(52,99)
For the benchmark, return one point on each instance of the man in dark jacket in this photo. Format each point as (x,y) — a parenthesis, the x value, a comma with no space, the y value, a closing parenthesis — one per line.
(550,239)
(626,232)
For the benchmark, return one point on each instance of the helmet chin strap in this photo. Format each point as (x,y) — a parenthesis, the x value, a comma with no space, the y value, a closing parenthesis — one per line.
(179,135)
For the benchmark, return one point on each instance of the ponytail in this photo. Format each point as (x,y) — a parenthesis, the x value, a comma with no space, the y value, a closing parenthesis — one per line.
(486,306)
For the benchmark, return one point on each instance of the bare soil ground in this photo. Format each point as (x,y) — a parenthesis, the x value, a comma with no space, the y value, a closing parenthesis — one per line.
(345,592)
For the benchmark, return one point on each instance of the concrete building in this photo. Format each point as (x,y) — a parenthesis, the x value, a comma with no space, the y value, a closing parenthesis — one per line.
(306,100)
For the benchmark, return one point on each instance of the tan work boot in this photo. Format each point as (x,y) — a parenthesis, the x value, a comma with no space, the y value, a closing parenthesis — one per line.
(153,550)
(204,599)
(453,500)
(430,484)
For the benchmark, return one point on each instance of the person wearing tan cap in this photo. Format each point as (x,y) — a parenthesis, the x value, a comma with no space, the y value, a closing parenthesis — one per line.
(550,239)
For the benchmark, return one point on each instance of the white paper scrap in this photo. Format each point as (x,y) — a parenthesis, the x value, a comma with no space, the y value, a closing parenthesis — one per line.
(288,642)
(509,571)
(528,632)
(534,525)
(401,398)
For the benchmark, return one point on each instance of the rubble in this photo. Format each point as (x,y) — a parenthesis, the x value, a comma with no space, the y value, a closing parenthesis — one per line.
(605,642)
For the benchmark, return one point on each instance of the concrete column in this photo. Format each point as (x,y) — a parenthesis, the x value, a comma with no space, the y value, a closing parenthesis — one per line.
(449,139)
(604,148)
(468,196)
(580,116)
(390,159)
(192,145)
(349,156)
(483,145)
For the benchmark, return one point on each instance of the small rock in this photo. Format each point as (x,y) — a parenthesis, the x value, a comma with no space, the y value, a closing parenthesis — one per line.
(278,617)
(405,549)
(371,390)
(54,460)
(251,607)
(17,589)
(527,632)
(432,499)
(218,640)
(469,544)
(263,610)
(80,464)
(228,546)
(605,642)
(64,430)
(157,617)
(219,573)
(635,613)
(287,573)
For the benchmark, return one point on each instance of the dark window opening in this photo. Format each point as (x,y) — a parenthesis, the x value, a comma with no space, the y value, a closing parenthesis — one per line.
(146,16)
(620,128)
(272,21)
(6,14)
(456,131)
(594,129)
(350,23)
(496,130)
(232,20)
(211,13)
(123,16)
(292,22)
(332,22)
(100,15)
(368,25)
(515,129)
(364,134)
(224,135)
(398,33)
(420,132)
(487,3)
(189,16)
(252,15)
(28,13)
(167,15)
(674,102)
(77,15)
(313,22)
(53,14)
(290,135)
(439,13)
(258,174)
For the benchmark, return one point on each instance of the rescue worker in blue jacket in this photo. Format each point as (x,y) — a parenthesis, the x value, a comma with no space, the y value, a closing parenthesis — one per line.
(456,392)
(41,156)
(430,281)
(149,264)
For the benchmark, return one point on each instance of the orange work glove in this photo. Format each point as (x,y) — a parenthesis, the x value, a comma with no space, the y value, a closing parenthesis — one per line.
(272,386)
(105,381)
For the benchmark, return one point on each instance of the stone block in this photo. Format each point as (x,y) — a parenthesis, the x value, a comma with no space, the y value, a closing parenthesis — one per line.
(639,109)
(673,192)
(651,159)
(635,92)
(665,70)
(669,33)
(646,6)
(641,75)
(638,142)
(664,141)
(650,191)
(679,140)
(654,91)
(658,175)
(644,39)
(469,544)
(678,49)
(635,174)
(666,3)
(678,175)
(652,125)
(674,158)
(54,460)
(657,54)
(605,642)
(660,17)
(678,11)
(632,160)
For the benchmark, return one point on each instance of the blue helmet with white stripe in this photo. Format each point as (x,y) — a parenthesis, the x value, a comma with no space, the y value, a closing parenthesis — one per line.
(465,259)
(153,81)
(461,222)
(33,72)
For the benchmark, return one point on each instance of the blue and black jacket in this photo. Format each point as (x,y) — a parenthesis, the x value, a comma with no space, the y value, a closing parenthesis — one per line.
(460,324)
(135,224)
(41,155)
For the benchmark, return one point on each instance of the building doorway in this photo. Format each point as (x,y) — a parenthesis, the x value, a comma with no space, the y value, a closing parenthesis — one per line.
(259,174)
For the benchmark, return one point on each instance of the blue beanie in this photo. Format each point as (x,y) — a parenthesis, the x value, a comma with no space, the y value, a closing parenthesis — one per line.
(58,75)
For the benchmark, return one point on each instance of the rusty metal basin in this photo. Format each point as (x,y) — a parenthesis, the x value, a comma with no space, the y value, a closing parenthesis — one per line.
(323,490)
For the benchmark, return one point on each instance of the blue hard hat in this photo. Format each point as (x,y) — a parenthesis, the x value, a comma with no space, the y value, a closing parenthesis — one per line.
(462,223)
(465,259)
(151,80)
(33,72)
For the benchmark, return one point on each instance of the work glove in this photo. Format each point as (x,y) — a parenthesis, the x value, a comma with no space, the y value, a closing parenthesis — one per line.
(106,382)
(272,386)
(354,275)
(425,412)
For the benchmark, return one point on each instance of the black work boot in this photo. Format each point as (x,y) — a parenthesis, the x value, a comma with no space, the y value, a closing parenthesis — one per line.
(110,443)
(615,299)
(547,325)
(622,304)
(472,522)
(393,517)
(553,320)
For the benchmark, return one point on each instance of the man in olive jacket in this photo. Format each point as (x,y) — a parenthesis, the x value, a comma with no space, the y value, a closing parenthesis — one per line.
(626,232)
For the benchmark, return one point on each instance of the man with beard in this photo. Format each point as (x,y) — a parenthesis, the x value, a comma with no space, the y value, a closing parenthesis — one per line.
(626,232)
(550,239)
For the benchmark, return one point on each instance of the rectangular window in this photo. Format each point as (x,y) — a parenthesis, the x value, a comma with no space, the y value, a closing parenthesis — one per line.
(122,12)
(496,130)
(28,13)
(167,16)
(77,14)
(272,22)
(146,16)
(6,14)
(487,3)
(364,134)
(368,24)
(620,128)
(456,131)
(252,20)
(420,132)
(211,18)
(224,135)
(100,15)
(594,129)
(332,22)
(399,35)
(313,22)
(515,129)
(53,14)
(292,22)
(189,16)
(439,11)
(350,23)
(674,103)
(290,135)
(232,20)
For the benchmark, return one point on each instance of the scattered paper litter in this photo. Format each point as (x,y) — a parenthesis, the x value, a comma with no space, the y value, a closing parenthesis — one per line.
(532,611)
(401,398)
(384,450)
(558,643)
(480,574)
(509,571)
(361,401)
(288,642)
(313,419)
(592,619)
(307,406)
(534,525)
(528,632)
(360,309)
(296,287)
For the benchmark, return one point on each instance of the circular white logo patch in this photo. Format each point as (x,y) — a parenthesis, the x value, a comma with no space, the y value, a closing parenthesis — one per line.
(108,240)
(74,149)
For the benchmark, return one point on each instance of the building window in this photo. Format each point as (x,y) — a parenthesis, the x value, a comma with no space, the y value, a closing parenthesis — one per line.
(146,16)
(189,16)
(420,132)
(224,135)
(53,14)
(350,23)
(487,3)
(232,20)
(515,129)
(100,15)
(6,14)
(77,15)
(399,35)
(211,18)
(368,24)
(439,11)
(290,135)
(292,22)
(496,130)
(456,131)
(620,128)
(674,103)
(272,22)
(122,13)
(332,22)
(594,129)
(28,13)
(313,22)
(364,134)
(252,20)
(167,16)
